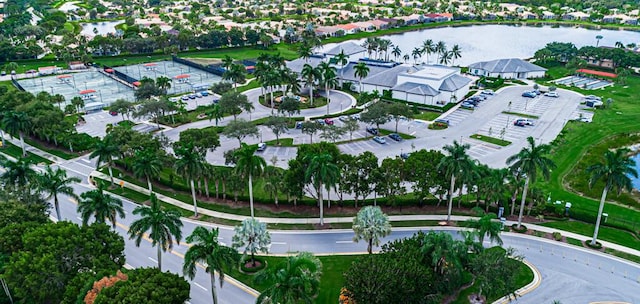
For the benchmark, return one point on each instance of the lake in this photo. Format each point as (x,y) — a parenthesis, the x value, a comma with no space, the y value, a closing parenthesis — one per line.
(489,42)
(103,28)
(636,181)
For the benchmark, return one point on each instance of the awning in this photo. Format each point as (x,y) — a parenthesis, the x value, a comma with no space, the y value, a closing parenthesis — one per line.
(149,64)
(64,76)
(136,83)
(109,70)
(182,76)
(85,92)
(597,73)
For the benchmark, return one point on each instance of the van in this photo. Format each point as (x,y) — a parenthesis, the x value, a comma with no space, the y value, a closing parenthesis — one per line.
(262,147)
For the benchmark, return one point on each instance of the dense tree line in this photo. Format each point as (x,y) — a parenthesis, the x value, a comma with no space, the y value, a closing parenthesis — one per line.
(620,56)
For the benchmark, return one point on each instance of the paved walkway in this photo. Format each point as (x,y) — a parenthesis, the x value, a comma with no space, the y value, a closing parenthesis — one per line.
(32,149)
(331,220)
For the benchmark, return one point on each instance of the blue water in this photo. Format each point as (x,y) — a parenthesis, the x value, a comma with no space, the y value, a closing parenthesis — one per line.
(636,181)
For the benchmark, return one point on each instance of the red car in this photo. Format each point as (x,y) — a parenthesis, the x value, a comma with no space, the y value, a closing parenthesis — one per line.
(328,121)
(113,113)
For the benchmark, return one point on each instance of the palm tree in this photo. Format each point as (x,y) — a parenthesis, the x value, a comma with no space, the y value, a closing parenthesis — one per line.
(163,83)
(310,76)
(446,58)
(227,62)
(528,162)
(236,74)
(189,165)
(162,225)
(105,150)
(361,70)
(146,164)
(253,236)
(615,172)
(440,49)
(486,226)
(328,79)
(249,165)
(100,205)
(453,165)
(296,280)
(305,51)
(54,182)
(416,53)
(406,58)
(322,171)
(342,59)
(16,123)
(18,174)
(370,225)
(456,52)
(396,52)
(598,37)
(215,113)
(428,48)
(206,249)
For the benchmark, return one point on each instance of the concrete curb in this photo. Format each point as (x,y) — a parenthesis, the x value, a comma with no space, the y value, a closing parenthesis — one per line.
(537,280)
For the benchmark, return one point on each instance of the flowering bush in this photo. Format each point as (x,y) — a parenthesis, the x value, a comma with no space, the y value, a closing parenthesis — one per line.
(102,283)
(346,297)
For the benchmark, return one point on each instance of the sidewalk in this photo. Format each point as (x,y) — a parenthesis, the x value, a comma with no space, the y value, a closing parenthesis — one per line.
(32,149)
(332,220)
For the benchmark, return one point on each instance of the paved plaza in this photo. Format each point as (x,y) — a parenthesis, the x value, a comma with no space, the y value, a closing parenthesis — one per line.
(92,86)
(184,78)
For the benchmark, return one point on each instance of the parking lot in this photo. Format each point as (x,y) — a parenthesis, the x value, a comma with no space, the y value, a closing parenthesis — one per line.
(96,87)
(184,78)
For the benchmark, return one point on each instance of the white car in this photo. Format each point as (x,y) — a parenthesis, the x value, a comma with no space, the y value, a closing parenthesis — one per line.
(552,94)
(262,146)
(488,92)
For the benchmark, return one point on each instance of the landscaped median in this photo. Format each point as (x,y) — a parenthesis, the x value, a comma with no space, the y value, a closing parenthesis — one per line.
(491,140)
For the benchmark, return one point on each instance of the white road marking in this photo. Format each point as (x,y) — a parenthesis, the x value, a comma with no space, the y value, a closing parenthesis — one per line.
(86,160)
(196,283)
(278,243)
(79,218)
(152,259)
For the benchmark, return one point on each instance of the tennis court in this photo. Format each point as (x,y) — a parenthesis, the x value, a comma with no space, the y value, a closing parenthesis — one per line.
(93,87)
(183,77)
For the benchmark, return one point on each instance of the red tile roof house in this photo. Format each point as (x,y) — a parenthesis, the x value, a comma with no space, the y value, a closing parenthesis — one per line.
(379,24)
(349,28)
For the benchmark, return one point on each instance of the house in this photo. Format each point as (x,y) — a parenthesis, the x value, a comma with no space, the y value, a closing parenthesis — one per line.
(328,31)
(548,15)
(349,28)
(379,24)
(507,69)
(431,85)
(411,19)
(576,16)
(349,48)
(365,26)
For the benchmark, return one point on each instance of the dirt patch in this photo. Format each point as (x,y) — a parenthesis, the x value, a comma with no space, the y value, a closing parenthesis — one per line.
(205,61)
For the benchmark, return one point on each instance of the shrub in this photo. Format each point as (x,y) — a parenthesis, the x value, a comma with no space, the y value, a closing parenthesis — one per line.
(557,236)
(522,228)
(261,264)
(598,245)
(221,87)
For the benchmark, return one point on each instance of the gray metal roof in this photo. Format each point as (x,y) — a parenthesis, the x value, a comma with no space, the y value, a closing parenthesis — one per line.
(388,77)
(349,48)
(296,65)
(416,88)
(348,73)
(512,65)
(454,82)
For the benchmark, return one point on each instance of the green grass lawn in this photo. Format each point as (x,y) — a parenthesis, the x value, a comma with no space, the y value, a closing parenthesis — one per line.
(331,280)
(427,115)
(520,114)
(54,151)
(606,233)
(403,135)
(16,152)
(284,142)
(491,140)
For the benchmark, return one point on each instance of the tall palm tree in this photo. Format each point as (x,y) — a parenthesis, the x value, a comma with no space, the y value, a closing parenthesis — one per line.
(370,225)
(428,47)
(54,182)
(296,280)
(163,226)
(16,123)
(456,52)
(227,62)
(249,165)
(146,164)
(305,51)
(615,173)
(529,161)
(310,76)
(440,49)
(416,53)
(342,59)
(486,226)
(598,37)
(105,150)
(453,165)
(322,171)
(361,70)
(100,205)
(396,52)
(406,58)
(163,83)
(328,79)
(189,164)
(206,249)
(18,174)
(446,58)
(236,74)
(215,113)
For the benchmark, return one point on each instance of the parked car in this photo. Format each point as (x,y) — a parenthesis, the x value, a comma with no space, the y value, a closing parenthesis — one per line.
(192,96)
(519,124)
(592,97)
(199,95)
(592,103)
(343,118)
(113,113)
(474,98)
(488,92)
(184,97)
(467,105)
(395,136)
(355,116)
(320,121)
(404,156)
(553,94)
(372,130)
(262,147)
(174,99)
(583,119)
(299,125)
(529,94)
(216,100)
(379,140)
(329,121)
(204,93)
(525,121)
